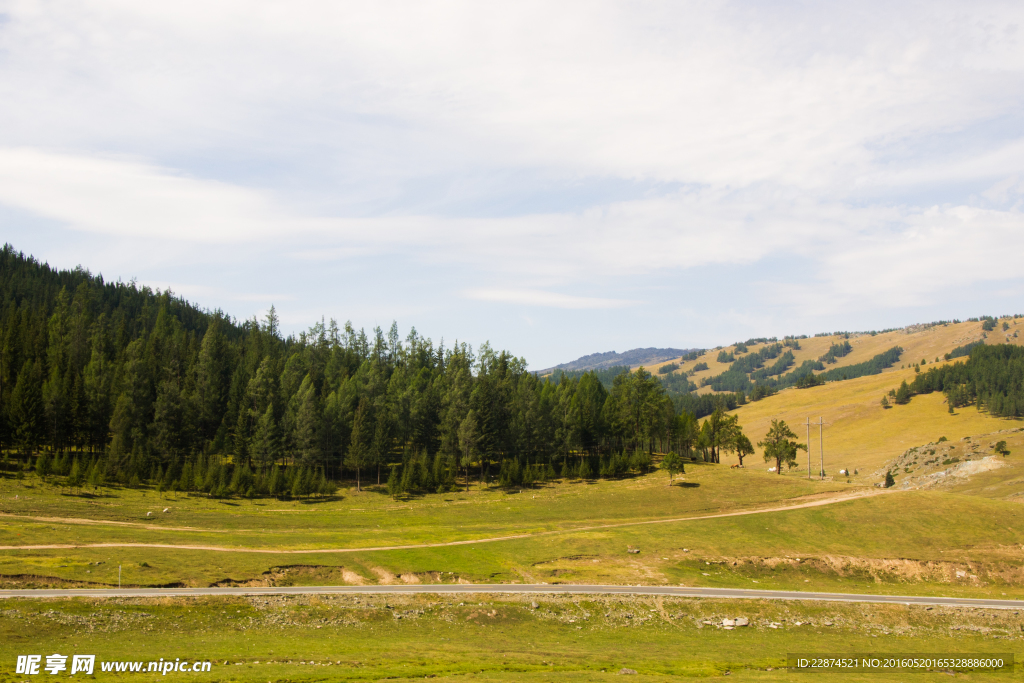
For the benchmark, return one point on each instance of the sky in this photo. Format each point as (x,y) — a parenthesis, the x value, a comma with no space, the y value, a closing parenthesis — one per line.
(556,178)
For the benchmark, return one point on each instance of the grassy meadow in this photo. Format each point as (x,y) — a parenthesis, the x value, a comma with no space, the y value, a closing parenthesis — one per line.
(912,542)
(493,638)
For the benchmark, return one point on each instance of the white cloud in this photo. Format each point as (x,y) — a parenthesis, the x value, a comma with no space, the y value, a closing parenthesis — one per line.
(131,199)
(661,138)
(537,297)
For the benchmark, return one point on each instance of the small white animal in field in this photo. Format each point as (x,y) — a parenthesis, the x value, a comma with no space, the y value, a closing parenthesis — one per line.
(771,469)
(844,473)
(167,509)
(148,514)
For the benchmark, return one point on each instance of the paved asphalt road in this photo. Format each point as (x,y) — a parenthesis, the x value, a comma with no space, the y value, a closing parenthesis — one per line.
(537,589)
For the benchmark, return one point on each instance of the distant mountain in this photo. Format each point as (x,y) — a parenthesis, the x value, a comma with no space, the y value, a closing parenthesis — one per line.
(597,361)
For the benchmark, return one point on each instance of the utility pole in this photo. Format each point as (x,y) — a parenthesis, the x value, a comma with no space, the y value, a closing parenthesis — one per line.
(821,446)
(808,448)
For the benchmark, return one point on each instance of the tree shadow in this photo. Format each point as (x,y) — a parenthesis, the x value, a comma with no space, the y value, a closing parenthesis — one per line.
(686,484)
(321,500)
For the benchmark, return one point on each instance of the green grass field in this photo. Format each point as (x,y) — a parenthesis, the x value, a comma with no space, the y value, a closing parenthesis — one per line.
(492,638)
(895,542)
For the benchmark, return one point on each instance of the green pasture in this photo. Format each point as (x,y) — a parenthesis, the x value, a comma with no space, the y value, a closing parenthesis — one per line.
(901,542)
(372,518)
(491,638)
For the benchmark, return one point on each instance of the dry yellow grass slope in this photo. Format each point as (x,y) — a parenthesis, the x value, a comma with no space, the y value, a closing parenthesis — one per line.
(859,433)
(919,342)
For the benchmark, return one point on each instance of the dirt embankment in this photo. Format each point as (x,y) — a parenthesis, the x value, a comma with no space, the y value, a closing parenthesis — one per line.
(943,464)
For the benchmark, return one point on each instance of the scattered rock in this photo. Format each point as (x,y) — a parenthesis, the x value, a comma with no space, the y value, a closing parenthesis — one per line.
(742,621)
(627,672)
(728,622)
(534,605)
(632,550)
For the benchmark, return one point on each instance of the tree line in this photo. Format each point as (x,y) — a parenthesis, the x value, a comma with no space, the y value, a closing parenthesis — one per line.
(113,382)
(992,378)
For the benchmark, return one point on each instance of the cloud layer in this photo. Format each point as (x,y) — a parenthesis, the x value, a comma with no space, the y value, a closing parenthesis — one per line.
(863,161)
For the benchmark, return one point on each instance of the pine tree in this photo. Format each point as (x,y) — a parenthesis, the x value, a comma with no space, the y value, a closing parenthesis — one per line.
(27,407)
(394,481)
(355,457)
(780,445)
(266,442)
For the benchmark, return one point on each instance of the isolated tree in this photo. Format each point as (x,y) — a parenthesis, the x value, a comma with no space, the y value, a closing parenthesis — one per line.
(889,480)
(674,464)
(885,402)
(743,447)
(780,445)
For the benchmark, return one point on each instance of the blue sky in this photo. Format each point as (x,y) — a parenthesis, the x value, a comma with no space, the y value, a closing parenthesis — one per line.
(557,178)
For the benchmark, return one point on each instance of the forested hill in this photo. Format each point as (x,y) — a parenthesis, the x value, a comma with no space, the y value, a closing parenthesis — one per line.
(139,385)
(609,359)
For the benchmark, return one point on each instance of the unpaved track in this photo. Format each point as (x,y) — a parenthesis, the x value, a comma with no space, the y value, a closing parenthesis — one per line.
(535,589)
(108,522)
(273,551)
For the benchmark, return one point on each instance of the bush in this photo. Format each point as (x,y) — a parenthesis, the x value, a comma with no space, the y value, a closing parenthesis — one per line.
(889,480)
(665,369)
(725,357)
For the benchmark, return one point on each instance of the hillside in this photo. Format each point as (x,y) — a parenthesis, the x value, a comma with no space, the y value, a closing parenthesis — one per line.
(634,358)
(919,342)
(859,433)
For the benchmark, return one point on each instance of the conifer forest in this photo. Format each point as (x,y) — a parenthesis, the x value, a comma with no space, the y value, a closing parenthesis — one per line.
(114,383)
